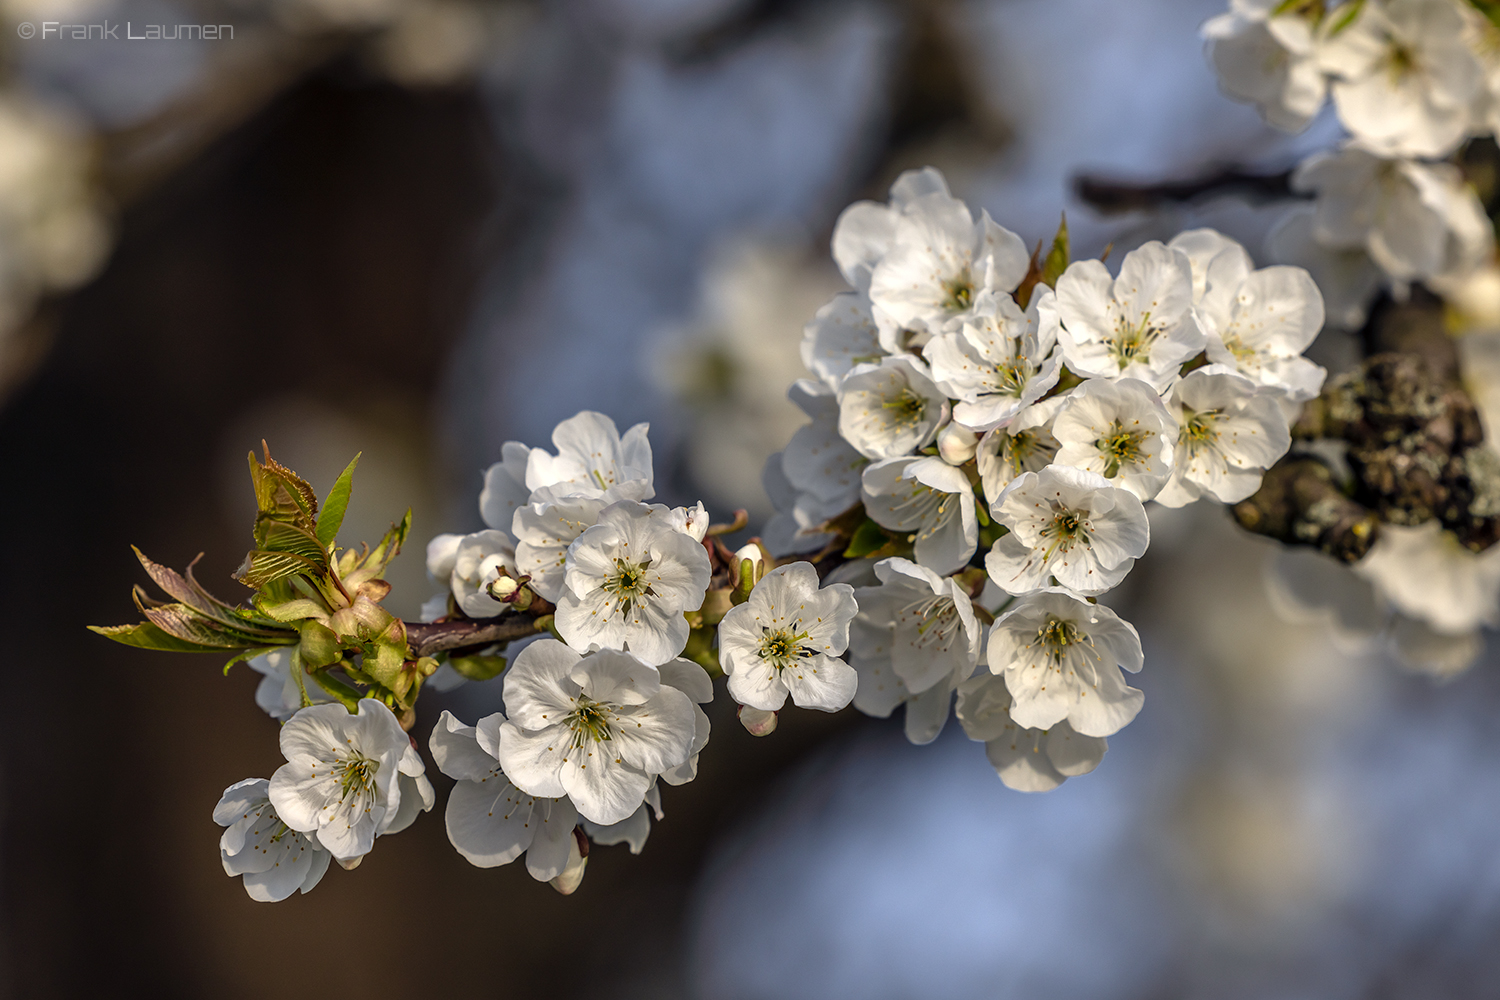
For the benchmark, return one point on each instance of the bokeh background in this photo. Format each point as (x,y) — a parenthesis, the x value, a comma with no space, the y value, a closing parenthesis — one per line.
(420,228)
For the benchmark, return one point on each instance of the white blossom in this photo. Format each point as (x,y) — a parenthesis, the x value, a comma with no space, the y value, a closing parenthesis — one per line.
(1069,525)
(797,526)
(842,334)
(1061,659)
(1347,278)
(1212,255)
(890,409)
(544,530)
(594,460)
(1138,325)
(866,229)
(597,728)
(998,363)
(693,681)
(941,263)
(1025,444)
(469,564)
(1260,322)
(490,821)
(632,830)
(1119,429)
(1230,432)
(818,462)
(913,641)
(1407,80)
(957,444)
(1415,220)
(275,860)
(1425,573)
(278,694)
(1028,760)
(1269,61)
(932,500)
(341,781)
(787,639)
(505,490)
(629,579)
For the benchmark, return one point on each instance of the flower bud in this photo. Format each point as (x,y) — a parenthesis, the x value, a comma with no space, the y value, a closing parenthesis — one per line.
(349,864)
(957,444)
(569,879)
(504,588)
(756,721)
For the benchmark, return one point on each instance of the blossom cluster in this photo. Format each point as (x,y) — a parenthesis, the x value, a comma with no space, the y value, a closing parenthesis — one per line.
(1410,81)
(1001,435)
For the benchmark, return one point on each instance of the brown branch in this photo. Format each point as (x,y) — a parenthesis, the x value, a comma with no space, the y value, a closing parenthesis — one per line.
(1300,503)
(1112,197)
(430,638)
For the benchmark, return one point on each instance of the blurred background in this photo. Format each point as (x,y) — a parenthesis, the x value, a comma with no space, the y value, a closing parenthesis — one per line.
(420,228)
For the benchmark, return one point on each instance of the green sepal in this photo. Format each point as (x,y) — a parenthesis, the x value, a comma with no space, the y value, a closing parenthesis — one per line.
(478,668)
(319,646)
(1345,16)
(700,649)
(1058,256)
(247,654)
(332,515)
(343,693)
(867,538)
(147,636)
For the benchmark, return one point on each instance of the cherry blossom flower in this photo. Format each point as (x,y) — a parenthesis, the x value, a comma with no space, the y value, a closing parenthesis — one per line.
(818,461)
(597,728)
(505,490)
(1230,432)
(1061,659)
(941,263)
(842,334)
(1139,325)
(997,363)
(866,230)
(341,782)
(1260,322)
(1347,278)
(1407,80)
(274,859)
(1415,220)
(629,579)
(1119,429)
(1269,57)
(1028,760)
(544,530)
(278,694)
(1025,444)
(593,459)
(931,499)
(890,409)
(787,639)
(1067,525)
(1426,573)
(490,821)
(913,641)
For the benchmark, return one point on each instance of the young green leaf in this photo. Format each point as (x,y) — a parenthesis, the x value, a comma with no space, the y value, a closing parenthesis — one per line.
(148,636)
(1058,257)
(332,515)
(478,668)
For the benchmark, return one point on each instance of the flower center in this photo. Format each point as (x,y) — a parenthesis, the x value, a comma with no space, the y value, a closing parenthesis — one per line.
(628,583)
(589,721)
(783,647)
(1010,378)
(1120,448)
(356,777)
(1068,528)
(1057,636)
(937,621)
(1131,342)
(1198,430)
(906,408)
(959,292)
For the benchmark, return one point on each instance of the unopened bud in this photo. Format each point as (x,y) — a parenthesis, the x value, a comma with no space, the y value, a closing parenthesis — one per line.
(957,444)
(349,864)
(757,722)
(568,880)
(503,588)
